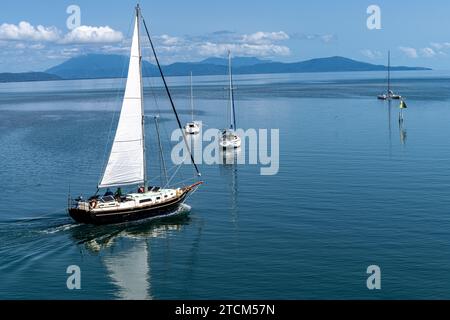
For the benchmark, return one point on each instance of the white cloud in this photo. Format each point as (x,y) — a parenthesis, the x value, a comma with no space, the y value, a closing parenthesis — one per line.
(88,34)
(435,49)
(440,46)
(25,31)
(181,48)
(428,52)
(409,52)
(261,37)
(371,54)
(328,37)
(115,49)
(37,46)
(50,45)
(70,52)
(259,50)
(169,40)
(325,38)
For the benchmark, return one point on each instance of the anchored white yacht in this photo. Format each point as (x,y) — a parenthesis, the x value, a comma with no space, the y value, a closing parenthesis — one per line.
(192,127)
(228,138)
(389,95)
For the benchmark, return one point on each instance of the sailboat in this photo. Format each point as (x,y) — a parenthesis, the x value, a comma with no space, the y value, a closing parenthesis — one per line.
(228,138)
(126,166)
(389,94)
(192,127)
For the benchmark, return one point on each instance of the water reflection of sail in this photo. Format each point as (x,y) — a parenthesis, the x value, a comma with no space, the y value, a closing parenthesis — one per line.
(130,271)
(390,127)
(125,252)
(401,122)
(229,170)
(402,131)
(230,157)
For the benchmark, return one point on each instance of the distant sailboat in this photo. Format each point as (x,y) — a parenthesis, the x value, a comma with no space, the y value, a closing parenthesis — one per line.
(228,138)
(126,165)
(192,127)
(389,94)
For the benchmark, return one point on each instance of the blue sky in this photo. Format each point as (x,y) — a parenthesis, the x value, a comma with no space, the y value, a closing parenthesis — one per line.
(418,34)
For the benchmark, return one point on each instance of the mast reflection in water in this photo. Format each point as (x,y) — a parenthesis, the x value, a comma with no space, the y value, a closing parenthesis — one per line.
(125,251)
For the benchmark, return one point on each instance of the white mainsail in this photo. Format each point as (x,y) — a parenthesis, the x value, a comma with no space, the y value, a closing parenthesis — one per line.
(126,163)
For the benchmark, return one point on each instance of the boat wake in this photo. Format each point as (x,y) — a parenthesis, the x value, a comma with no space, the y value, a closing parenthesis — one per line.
(64,227)
(96,238)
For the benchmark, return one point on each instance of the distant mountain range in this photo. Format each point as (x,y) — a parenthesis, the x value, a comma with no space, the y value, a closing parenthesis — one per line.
(27,76)
(93,66)
(114,66)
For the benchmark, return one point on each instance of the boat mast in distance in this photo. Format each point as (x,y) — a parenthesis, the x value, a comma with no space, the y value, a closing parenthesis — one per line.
(192,127)
(228,139)
(389,72)
(389,94)
(232,110)
(192,99)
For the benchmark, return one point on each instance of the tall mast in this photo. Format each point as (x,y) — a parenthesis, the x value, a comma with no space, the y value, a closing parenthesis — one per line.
(233,117)
(389,71)
(138,18)
(192,100)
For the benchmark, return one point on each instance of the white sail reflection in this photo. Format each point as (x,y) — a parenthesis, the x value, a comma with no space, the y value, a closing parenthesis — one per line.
(125,251)
(229,168)
(130,271)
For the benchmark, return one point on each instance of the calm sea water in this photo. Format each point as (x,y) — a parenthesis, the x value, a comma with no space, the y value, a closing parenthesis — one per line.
(353,189)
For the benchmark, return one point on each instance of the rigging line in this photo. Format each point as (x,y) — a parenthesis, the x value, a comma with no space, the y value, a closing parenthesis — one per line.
(178,168)
(160,177)
(169,170)
(164,128)
(161,149)
(232,96)
(166,134)
(170,96)
(152,87)
(181,182)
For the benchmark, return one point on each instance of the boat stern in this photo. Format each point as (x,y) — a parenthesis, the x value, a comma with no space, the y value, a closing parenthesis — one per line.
(79,211)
